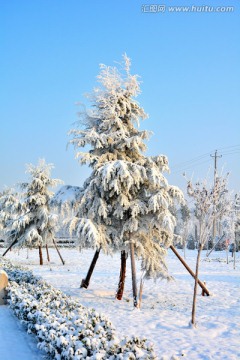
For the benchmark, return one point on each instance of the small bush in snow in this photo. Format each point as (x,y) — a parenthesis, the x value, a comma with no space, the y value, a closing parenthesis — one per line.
(64,328)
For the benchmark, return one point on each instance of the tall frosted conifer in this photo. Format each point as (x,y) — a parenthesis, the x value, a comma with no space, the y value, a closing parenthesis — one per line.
(125,201)
(35,225)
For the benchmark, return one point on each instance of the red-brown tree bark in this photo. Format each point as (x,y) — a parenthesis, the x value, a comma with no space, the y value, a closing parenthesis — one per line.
(85,282)
(122,275)
(40,255)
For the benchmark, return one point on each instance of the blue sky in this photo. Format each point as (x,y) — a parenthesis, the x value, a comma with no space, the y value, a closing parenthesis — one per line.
(188,63)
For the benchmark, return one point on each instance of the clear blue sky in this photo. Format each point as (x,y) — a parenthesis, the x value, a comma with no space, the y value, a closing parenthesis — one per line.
(188,63)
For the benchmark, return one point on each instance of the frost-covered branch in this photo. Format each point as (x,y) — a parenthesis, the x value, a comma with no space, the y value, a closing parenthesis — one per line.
(127,199)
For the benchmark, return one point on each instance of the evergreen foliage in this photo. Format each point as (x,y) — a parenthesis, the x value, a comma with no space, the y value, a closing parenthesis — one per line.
(34,225)
(126,198)
(10,206)
(185,213)
(191,242)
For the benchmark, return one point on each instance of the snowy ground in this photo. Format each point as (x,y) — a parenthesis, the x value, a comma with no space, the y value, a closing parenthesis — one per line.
(166,307)
(15,343)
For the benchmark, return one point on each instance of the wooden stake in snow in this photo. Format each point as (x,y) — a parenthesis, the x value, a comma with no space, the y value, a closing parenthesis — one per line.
(48,257)
(134,277)
(141,291)
(122,275)
(54,242)
(218,242)
(40,255)
(9,248)
(205,290)
(85,282)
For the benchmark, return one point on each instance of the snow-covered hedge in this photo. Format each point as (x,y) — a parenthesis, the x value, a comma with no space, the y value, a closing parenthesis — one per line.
(64,328)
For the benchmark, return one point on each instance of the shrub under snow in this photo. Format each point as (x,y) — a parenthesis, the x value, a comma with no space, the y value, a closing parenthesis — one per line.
(64,328)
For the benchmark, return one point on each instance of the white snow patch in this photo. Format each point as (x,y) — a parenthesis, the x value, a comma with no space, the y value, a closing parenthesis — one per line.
(166,306)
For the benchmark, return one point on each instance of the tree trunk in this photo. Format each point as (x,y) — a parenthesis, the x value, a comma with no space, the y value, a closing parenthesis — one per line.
(193,321)
(122,275)
(196,235)
(189,270)
(40,255)
(134,277)
(85,282)
(54,242)
(48,257)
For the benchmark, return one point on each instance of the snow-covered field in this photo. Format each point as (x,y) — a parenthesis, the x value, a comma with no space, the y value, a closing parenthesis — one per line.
(15,343)
(166,307)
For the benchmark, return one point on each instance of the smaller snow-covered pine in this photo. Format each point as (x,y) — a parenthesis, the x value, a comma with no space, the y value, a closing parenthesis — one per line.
(35,225)
(10,206)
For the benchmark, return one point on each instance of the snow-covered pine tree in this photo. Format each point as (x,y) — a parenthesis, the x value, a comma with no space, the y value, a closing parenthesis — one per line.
(185,213)
(10,206)
(35,225)
(191,242)
(125,201)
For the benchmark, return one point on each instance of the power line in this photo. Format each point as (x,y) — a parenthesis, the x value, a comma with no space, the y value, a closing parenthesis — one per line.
(233,149)
(192,160)
(231,153)
(189,167)
(228,147)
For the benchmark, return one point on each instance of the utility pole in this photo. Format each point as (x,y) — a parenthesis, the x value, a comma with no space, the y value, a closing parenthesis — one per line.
(215,156)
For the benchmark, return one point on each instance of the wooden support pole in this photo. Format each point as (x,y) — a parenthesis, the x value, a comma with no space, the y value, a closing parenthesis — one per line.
(134,276)
(40,255)
(85,282)
(9,248)
(214,245)
(122,275)
(54,242)
(48,257)
(140,292)
(205,290)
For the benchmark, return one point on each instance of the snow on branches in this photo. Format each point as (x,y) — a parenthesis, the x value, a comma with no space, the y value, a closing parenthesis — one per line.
(126,198)
(210,203)
(34,225)
(10,206)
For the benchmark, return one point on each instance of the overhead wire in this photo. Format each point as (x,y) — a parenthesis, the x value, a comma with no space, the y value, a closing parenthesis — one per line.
(188,164)
(228,147)
(230,153)
(191,160)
